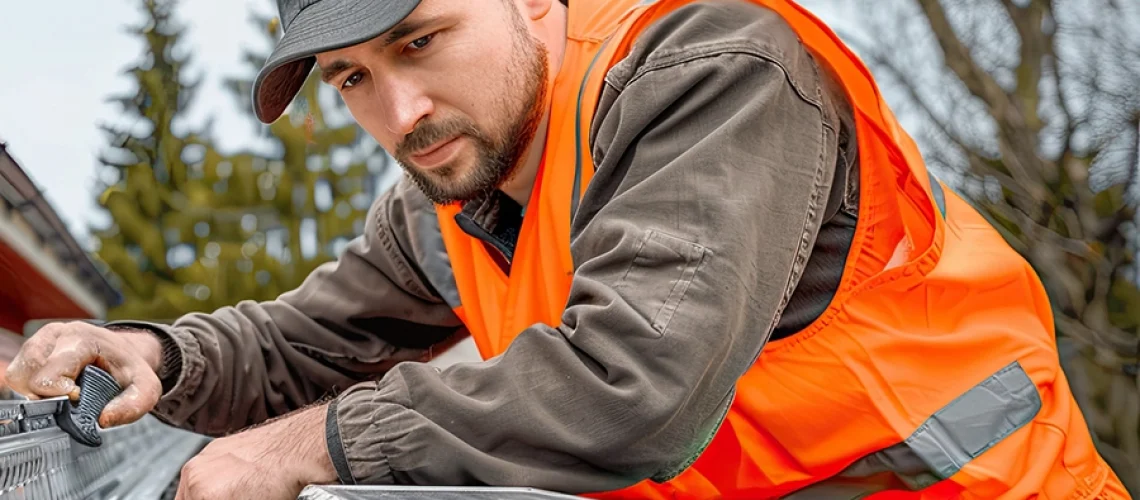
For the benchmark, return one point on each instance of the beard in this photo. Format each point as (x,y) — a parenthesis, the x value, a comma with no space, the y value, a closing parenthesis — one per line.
(500,150)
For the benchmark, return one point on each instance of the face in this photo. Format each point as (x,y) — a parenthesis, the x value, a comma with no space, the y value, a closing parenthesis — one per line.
(455,93)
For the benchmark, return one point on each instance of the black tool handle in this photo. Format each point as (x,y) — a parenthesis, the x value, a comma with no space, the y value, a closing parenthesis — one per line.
(96,389)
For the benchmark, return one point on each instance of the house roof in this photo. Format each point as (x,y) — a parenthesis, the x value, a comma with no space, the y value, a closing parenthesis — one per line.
(21,197)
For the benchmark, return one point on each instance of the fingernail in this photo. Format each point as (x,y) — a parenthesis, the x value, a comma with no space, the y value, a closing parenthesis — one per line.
(68,387)
(107,418)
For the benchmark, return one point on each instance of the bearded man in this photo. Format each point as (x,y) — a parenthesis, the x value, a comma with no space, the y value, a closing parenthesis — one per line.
(695,251)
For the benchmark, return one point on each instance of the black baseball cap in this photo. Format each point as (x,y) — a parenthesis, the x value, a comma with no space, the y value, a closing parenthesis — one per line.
(311,27)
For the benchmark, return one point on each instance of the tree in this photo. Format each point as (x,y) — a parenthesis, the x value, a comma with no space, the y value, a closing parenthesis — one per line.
(195,229)
(147,183)
(328,170)
(1031,110)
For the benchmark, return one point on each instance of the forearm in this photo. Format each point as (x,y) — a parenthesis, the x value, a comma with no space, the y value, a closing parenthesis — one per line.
(350,320)
(299,438)
(565,417)
(237,366)
(277,460)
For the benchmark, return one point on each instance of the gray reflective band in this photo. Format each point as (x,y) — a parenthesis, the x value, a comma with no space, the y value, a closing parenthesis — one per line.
(939,195)
(944,443)
(834,489)
(976,421)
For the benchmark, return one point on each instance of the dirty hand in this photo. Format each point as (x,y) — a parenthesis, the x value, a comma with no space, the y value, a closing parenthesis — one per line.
(273,461)
(49,361)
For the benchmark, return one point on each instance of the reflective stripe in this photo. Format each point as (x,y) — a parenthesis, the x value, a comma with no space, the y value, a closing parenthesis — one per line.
(976,421)
(944,443)
(433,258)
(835,489)
(576,191)
(939,195)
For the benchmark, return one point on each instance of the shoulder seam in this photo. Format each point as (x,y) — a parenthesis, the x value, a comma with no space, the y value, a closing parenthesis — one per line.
(710,50)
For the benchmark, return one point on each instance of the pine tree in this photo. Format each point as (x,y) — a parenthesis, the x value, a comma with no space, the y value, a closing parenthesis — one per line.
(195,229)
(150,191)
(325,170)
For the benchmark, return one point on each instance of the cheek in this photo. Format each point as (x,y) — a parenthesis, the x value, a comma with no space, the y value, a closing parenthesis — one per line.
(367,114)
(475,87)
(360,105)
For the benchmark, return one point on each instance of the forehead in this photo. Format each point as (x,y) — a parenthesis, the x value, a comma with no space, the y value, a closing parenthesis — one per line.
(427,13)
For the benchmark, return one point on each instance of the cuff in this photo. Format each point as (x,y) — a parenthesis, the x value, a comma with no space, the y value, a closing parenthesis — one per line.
(336,446)
(181,370)
(362,425)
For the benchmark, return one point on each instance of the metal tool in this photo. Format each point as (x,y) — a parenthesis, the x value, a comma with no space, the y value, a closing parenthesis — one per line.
(80,421)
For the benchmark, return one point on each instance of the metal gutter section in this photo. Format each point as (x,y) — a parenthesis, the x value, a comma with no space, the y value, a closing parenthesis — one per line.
(38,460)
(427,493)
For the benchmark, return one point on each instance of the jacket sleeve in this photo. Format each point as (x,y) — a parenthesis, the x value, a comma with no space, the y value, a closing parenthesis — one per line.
(350,320)
(713,163)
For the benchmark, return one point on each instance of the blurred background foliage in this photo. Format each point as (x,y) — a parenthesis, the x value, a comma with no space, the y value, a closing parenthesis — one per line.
(1028,108)
(194,229)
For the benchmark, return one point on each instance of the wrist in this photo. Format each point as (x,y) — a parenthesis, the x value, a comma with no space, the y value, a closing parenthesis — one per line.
(147,343)
(300,441)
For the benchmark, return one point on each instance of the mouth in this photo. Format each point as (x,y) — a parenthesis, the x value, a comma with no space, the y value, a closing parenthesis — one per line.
(437,154)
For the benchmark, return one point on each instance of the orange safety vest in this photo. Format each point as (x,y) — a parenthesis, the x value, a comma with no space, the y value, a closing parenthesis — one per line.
(939,374)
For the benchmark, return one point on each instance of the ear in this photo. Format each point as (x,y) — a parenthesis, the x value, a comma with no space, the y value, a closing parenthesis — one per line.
(535,9)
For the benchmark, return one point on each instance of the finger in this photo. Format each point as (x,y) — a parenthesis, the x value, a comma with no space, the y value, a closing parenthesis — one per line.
(183,492)
(30,359)
(140,396)
(57,375)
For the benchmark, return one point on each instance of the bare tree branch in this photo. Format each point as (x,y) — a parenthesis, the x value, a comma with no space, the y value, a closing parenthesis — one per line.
(1114,340)
(1034,45)
(977,161)
(1047,103)
(959,59)
(1014,138)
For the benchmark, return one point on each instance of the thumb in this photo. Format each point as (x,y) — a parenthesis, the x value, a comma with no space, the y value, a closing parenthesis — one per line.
(133,403)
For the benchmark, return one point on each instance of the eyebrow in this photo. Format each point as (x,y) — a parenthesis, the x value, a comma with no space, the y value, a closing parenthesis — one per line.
(401,30)
(335,68)
(405,28)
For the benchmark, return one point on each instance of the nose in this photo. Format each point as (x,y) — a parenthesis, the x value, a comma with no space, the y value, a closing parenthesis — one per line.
(404,103)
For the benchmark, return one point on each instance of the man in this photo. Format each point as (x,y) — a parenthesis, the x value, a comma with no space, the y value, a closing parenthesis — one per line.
(696,252)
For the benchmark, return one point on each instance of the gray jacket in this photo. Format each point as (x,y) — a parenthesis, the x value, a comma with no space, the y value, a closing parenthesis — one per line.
(719,216)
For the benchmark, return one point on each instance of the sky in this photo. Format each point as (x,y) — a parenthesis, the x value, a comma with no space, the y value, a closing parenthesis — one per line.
(54,88)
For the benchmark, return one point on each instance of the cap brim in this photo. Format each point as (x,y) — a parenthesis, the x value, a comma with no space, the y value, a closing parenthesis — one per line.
(323,26)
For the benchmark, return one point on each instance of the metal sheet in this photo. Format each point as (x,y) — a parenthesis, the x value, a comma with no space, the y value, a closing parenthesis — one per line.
(427,493)
(38,461)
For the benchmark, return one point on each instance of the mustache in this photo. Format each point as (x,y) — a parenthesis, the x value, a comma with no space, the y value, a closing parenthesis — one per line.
(427,134)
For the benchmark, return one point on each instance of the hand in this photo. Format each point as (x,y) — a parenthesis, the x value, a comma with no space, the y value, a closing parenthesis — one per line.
(49,361)
(273,461)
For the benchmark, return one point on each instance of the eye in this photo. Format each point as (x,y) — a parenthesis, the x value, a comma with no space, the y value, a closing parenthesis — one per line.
(352,80)
(420,43)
